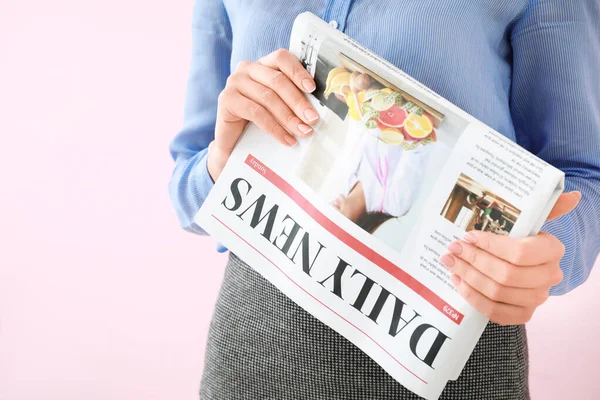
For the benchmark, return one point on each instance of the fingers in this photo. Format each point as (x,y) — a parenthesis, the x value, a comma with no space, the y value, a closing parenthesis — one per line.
(286,90)
(286,62)
(274,91)
(269,94)
(492,289)
(501,313)
(504,272)
(237,107)
(528,251)
(507,278)
(269,99)
(565,204)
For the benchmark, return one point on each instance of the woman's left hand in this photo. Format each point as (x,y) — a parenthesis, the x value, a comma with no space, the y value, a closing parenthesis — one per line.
(507,278)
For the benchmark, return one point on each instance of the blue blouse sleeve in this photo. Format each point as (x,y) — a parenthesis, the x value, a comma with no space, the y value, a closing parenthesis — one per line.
(555,104)
(210,67)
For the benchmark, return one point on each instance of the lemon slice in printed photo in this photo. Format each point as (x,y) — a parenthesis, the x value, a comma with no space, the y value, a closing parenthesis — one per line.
(383,101)
(391,136)
(417,127)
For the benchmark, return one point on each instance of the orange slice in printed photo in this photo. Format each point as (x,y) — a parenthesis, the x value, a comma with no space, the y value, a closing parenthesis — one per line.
(393,117)
(417,127)
(391,136)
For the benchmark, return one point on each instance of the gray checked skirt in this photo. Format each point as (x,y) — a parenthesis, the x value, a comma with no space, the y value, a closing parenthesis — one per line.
(261,345)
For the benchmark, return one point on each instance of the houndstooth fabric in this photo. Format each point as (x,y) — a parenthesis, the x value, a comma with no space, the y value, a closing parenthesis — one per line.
(262,345)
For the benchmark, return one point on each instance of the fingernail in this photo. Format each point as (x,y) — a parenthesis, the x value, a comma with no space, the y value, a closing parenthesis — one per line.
(291,140)
(455,248)
(309,85)
(311,115)
(455,280)
(448,261)
(470,237)
(305,129)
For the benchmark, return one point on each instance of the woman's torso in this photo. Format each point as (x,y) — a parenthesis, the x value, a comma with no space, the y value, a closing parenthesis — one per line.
(460,49)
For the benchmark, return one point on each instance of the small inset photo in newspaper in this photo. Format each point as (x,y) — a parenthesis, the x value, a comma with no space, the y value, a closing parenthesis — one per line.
(471,206)
(378,149)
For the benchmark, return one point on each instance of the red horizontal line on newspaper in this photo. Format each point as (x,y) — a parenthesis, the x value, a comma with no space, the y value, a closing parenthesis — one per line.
(354,243)
(323,304)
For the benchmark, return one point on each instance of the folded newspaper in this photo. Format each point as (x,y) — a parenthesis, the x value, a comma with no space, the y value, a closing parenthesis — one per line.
(351,223)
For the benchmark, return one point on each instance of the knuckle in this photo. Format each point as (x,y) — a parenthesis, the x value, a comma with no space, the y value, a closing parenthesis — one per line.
(279,55)
(256,111)
(506,275)
(459,267)
(542,296)
(469,275)
(527,315)
(495,292)
(519,253)
(233,80)
(298,72)
(463,291)
(474,256)
(276,129)
(290,119)
(462,271)
(467,292)
(483,241)
(276,78)
(561,249)
(224,96)
(299,102)
(267,95)
(468,254)
(242,65)
(556,276)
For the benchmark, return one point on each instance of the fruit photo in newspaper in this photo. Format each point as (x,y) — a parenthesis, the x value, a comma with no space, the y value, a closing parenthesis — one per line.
(385,112)
(472,207)
(378,149)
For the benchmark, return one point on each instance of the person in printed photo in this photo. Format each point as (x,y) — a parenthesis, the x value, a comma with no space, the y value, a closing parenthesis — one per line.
(384,178)
(390,139)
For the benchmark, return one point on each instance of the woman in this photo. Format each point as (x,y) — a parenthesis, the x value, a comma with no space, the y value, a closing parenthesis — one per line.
(527,69)
(390,177)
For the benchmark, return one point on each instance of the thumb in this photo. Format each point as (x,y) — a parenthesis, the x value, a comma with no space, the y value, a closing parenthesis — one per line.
(565,204)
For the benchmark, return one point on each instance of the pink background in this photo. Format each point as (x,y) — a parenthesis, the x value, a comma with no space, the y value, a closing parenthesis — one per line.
(102,296)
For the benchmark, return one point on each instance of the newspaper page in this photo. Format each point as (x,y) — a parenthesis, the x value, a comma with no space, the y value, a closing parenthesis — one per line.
(351,223)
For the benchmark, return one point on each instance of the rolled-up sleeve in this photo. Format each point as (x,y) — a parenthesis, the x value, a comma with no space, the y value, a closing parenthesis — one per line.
(555,103)
(210,67)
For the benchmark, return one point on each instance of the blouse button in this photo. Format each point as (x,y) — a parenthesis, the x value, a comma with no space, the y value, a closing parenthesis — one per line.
(333,23)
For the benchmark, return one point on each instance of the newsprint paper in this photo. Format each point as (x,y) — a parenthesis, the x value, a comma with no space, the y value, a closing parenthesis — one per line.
(351,223)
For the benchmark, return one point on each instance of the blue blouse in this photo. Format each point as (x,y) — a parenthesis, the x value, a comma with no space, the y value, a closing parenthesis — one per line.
(529,69)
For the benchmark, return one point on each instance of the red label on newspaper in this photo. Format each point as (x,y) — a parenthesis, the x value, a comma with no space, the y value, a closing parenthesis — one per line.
(354,243)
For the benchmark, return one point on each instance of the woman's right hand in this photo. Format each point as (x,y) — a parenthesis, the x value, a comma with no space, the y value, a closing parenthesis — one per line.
(269,93)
